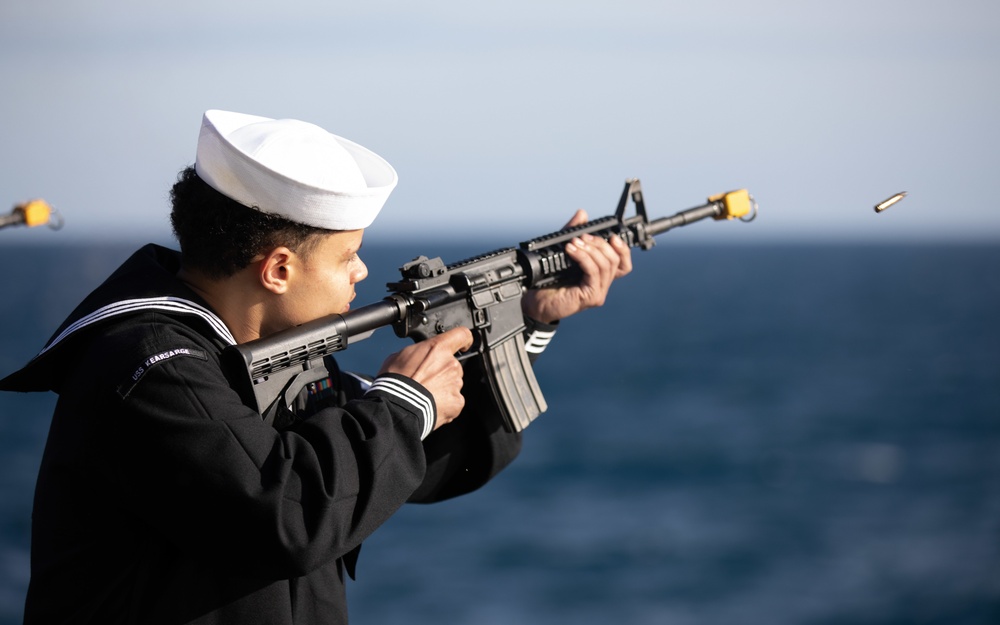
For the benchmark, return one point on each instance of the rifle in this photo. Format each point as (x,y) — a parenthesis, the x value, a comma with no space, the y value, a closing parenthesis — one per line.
(482,293)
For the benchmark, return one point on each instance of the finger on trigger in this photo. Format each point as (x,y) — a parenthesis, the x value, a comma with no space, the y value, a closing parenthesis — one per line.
(457,339)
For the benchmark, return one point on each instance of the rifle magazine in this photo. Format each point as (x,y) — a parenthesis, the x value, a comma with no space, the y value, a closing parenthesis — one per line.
(513,383)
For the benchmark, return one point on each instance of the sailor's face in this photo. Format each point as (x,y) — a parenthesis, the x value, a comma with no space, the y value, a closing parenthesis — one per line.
(326,277)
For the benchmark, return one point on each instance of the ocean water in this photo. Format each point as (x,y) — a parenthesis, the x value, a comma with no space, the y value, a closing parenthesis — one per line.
(778,434)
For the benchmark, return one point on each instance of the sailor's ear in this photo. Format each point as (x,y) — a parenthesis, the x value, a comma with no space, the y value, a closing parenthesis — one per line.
(275,269)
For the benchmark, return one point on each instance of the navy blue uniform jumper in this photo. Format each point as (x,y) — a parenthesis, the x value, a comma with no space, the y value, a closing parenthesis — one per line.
(162,498)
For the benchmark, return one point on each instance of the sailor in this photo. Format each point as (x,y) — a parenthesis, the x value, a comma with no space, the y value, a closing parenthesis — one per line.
(161,497)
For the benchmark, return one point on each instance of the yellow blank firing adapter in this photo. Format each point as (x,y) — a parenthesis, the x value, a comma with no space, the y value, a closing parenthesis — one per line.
(35,212)
(32,213)
(736,204)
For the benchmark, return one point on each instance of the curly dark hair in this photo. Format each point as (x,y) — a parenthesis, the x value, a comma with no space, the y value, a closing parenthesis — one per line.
(219,236)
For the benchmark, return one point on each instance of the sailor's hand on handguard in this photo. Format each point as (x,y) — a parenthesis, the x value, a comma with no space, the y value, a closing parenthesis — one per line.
(432,363)
(602,262)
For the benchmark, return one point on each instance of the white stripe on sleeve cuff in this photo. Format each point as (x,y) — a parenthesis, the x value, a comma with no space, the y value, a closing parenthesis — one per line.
(538,340)
(403,391)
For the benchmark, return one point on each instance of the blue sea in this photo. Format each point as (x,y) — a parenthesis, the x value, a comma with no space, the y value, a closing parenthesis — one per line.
(775,434)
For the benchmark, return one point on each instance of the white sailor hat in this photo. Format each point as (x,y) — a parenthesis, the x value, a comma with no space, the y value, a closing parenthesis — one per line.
(293,169)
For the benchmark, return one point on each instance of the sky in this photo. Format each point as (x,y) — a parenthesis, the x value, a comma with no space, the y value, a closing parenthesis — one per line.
(501,119)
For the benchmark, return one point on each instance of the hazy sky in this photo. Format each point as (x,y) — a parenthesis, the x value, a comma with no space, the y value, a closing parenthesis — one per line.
(502,118)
